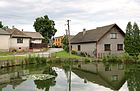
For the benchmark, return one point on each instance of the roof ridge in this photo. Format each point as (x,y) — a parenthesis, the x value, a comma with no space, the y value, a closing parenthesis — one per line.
(107,25)
(93,34)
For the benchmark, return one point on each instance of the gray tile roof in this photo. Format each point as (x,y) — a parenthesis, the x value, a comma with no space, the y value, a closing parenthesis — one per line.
(34,35)
(17,33)
(92,35)
(3,32)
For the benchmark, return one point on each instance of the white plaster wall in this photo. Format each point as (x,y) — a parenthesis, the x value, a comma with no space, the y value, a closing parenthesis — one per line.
(87,47)
(15,45)
(4,42)
(107,40)
(38,41)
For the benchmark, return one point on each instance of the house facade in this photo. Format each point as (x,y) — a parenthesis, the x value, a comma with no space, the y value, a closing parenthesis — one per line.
(36,37)
(18,40)
(58,41)
(100,41)
(4,40)
(36,40)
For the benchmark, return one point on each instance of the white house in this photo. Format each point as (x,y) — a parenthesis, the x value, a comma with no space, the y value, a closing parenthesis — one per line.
(18,40)
(36,37)
(100,41)
(4,40)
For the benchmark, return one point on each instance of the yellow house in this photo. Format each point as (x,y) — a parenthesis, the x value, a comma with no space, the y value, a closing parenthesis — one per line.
(58,41)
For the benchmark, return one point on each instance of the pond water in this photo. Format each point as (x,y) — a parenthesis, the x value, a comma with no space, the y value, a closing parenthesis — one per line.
(84,77)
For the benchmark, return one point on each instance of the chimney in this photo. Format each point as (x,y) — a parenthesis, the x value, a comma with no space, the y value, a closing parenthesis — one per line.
(13,27)
(21,29)
(84,31)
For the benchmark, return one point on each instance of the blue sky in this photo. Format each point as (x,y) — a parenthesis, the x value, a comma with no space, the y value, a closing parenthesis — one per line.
(87,14)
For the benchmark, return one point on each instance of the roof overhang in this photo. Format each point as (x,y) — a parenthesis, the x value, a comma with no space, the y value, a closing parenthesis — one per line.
(85,42)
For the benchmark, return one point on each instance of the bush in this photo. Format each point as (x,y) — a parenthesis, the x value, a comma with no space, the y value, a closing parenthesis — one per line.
(111,58)
(36,60)
(87,60)
(13,50)
(126,58)
(74,52)
(138,58)
(82,54)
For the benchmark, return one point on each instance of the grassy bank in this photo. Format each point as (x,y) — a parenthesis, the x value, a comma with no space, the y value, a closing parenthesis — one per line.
(10,57)
(63,54)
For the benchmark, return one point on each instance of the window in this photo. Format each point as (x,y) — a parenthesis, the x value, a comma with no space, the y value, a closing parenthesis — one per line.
(79,47)
(107,47)
(113,35)
(19,40)
(108,68)
(114,77)
(120,47)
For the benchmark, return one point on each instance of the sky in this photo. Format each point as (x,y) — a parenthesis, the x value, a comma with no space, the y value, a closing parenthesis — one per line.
(87,14)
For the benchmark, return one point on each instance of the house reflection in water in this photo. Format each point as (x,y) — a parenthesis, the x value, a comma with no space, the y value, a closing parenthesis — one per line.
(12,78)
(108,75)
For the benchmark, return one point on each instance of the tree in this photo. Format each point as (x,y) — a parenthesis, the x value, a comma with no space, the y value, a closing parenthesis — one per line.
(1,26)
(65,43)
(45,26)
(132,39)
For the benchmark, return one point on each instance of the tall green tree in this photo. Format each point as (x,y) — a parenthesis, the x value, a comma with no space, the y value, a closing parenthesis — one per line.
(65,43)
(132,39)
(45,26)
(1,26)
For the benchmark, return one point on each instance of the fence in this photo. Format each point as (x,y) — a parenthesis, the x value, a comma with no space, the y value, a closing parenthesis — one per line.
(37,46)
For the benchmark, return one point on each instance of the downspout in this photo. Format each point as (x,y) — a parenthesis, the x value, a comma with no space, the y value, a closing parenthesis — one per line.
(96,50)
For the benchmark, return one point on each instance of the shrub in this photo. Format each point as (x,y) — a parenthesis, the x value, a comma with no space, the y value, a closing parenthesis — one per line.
(126,58)
(111,58)
(73,52)
(138,58)
(13,50)
(82,54)
(87,60)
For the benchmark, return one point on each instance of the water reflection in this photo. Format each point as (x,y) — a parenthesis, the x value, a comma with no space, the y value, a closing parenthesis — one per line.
(107,75)
(133,77)
(84,77)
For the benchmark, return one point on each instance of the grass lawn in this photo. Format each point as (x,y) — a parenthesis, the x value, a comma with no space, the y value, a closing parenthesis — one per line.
(10,57)
(63,54)
(23,52)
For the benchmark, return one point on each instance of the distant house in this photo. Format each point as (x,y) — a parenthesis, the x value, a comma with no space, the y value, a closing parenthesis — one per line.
(36,37)
(36,40)
(18,40)
(100,41)
(58,40)
(4,40)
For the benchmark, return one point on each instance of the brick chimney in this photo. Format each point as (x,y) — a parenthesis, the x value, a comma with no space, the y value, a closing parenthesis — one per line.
(84,31)
(13,27)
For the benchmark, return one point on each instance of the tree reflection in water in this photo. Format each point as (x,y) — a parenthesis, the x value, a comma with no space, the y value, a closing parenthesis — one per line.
(133,77)
(46,84)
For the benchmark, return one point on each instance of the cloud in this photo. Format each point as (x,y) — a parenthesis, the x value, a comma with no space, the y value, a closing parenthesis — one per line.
(82,13)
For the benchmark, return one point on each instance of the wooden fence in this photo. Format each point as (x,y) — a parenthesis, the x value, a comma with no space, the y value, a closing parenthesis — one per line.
(37,46)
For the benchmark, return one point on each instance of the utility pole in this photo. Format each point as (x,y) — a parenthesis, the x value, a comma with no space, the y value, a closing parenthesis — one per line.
(68,35)
(68,23)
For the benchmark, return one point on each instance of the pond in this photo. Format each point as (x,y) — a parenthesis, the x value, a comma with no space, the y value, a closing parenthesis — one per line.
(82,77)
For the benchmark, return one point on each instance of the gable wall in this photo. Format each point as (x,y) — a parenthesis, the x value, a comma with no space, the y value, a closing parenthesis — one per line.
(86,47)
(107,40)
(24,46)
(37,41)
(4,42)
